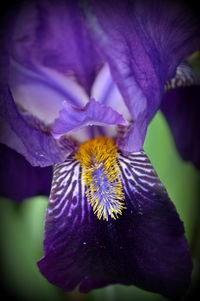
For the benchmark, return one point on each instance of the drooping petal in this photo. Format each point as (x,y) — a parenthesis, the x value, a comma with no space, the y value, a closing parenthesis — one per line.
(180,107)
(145,246)
(181,110)
(92,113)
(185,76)
(52,34)
(38,148)
(19,180)
(143,42)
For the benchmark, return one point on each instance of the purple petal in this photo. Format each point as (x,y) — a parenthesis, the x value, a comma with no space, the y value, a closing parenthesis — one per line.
(106,91)
(185,76)
(53,34)
(19,180)
(93,113)
(143,42)
(37,147)
(145,246)
(181,110)
(42,92)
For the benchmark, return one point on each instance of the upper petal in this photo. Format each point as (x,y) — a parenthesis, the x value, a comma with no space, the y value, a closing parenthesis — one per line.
(145,246)
(37,147)
(143,42)
(52,34)
(42,91)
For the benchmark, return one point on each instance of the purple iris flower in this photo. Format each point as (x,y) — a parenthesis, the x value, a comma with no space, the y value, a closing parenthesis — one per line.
(80,83)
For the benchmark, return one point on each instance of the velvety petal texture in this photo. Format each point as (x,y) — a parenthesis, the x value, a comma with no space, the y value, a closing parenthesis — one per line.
(92,113)
(181,108)
(145,246)
(143,42)
(19,180)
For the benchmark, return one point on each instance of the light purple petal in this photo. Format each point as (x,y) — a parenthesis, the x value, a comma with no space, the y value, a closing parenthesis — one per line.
(19,180)
(106,91)
(52,34)
(93,113)
(42,92)
(38,148)
(181,108)
(144,247)
(143,42)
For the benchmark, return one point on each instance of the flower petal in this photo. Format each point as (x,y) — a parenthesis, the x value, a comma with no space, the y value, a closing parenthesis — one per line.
(138,39)
(185,77)
(38,148)
(106,91)
(43,90)
(93,113)
(52,34)
(145,246)
(32,180)
(181,110)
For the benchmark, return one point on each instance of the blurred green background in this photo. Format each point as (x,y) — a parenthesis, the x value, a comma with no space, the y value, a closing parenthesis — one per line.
(22,228)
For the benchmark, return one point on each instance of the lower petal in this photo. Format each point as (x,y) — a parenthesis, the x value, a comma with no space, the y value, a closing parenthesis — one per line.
(145,246)
(181,110)
(31,182)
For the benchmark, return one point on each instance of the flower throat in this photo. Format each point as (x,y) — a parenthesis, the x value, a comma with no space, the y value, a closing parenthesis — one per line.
(101,177)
